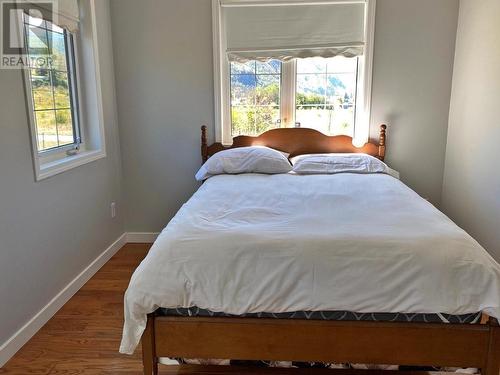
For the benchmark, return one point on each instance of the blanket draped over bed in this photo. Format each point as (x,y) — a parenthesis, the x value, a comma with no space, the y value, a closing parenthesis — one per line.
(279,243)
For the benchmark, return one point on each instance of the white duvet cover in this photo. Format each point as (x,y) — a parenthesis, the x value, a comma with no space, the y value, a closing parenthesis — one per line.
(281,243)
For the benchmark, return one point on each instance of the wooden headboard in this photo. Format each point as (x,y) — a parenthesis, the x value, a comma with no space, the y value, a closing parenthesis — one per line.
(298,141)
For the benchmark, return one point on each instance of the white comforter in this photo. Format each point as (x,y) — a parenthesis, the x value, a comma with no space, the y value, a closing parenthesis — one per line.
(280,243)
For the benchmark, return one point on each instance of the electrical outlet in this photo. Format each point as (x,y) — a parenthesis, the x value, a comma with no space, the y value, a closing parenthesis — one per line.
(113,209)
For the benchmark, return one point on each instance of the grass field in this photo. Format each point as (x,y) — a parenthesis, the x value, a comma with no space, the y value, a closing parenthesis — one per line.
(252,121)
(53,116)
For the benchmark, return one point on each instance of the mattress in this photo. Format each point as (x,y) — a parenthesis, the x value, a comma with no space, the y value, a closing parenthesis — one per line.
(285,243)
(473,318)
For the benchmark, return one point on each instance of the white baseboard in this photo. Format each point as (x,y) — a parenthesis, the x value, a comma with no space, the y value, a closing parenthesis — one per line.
(21,337)
(142,237)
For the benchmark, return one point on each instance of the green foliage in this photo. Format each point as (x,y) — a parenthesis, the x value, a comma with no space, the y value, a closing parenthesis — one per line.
(254,120)
(310,100)
(44,104)
(60,79)
(269,94)
(41,77)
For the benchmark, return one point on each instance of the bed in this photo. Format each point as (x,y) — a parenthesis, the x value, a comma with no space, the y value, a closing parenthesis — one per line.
(245,271)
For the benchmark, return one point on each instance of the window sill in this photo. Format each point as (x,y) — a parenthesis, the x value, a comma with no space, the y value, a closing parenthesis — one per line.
(52,168)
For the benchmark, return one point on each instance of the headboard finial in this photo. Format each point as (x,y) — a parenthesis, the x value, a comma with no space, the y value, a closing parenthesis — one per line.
(381,143)
(204,145)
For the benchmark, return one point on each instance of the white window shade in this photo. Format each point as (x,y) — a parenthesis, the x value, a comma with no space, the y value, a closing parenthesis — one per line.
(293,30)
(64,13)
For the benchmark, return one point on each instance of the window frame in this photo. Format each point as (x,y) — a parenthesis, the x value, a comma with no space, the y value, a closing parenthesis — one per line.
(91,145)
(57,152)
(222,93)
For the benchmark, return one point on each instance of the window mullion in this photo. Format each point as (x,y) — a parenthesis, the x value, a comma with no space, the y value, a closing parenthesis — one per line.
(288,83)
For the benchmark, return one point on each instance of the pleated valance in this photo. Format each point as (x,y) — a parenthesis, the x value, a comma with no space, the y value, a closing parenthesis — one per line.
(285,30)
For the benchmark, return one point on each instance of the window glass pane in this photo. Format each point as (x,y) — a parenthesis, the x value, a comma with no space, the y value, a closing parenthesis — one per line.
(243,89)
(312,65)
(37,41)
(315,118)
(255,97)
(326,94)
(341,92)
(342,65)
(311,89)
(46,129)
(41,86)
(58,51)
(264,116)
(64,126)
(242,68)
(61,89)
(35,21)
(268,90)
(268,67)
(55,28)
(243,120)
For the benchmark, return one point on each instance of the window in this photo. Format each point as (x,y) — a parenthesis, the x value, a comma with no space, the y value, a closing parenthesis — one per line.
(293,64)
(63,86)
(255,97)
(323,98)
(52,85)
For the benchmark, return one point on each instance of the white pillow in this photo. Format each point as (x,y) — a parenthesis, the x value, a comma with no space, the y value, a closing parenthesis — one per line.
(338,163)
(254,159)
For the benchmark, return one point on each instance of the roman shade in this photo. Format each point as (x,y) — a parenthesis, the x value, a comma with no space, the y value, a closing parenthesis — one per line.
(286,30)
(64,13)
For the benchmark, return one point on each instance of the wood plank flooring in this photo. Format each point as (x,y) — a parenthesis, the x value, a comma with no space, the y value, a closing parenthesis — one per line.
(83,337)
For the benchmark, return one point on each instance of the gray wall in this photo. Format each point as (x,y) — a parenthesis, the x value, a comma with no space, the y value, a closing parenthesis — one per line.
(52,229)
(471,189)
(413,64)
(164,84)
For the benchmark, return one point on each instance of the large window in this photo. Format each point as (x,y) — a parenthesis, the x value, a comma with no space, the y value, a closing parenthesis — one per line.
(317,93)
(293,64)
(52,82)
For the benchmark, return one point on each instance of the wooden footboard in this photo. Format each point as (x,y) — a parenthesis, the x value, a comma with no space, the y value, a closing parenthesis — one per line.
(419,344)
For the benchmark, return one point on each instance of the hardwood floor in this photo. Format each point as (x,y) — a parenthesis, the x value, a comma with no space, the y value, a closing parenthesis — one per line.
(83,337)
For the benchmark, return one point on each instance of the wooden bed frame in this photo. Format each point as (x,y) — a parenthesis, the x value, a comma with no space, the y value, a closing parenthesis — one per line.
(417,344)
(298,141)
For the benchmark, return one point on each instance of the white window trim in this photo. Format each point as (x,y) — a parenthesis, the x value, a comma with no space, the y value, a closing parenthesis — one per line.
(52,162)
(287,93)
(222,95)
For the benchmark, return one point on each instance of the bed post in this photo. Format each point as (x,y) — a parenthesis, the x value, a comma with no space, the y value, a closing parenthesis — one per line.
(381,143)
(492,366)
(149,360)
(204,146)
